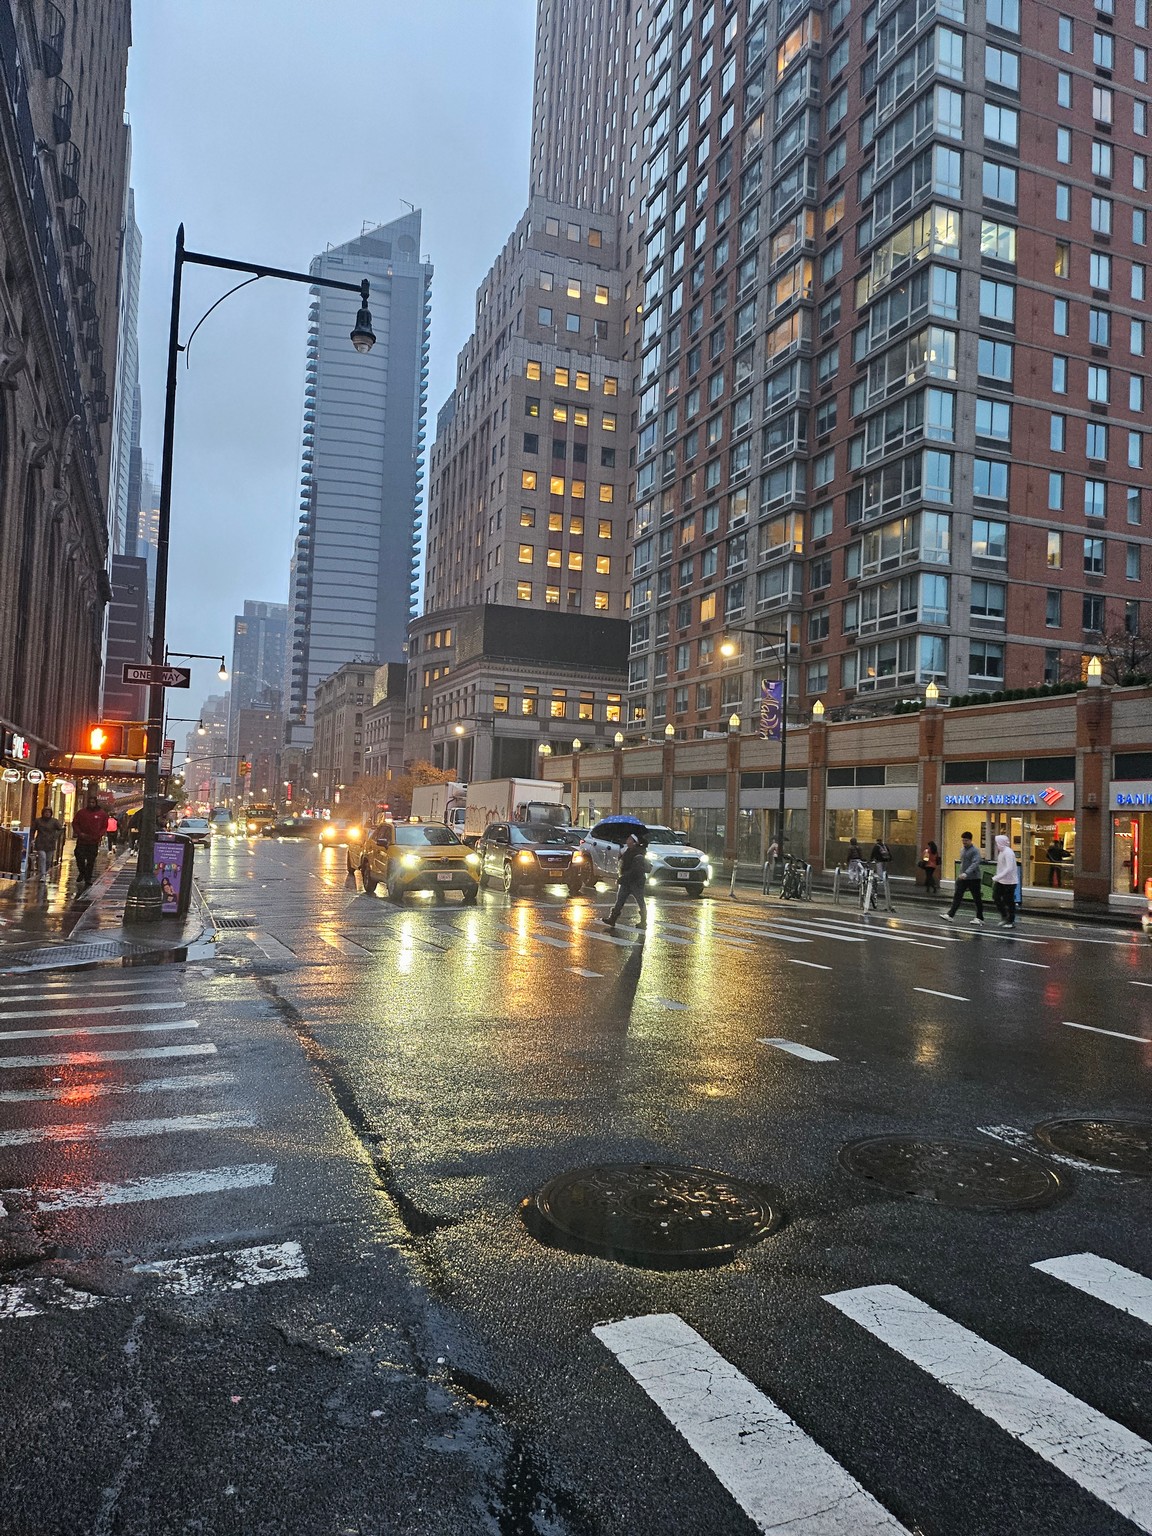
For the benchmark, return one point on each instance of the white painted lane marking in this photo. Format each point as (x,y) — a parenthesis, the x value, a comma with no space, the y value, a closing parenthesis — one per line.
(95,1029)
(345,946)
(1014,1136)
(1035,964)
(953,997)
(793,1048)
(667,1002)
(199,1181)
(65,994)
(1115,1033)
(229,1271)
(93,1058)
(811,964)
(1124,1289)
(1140,983)
(780,1478)
(122,1130)
(806,933)
(198,1275)
(578,970)
(82,1092)
(89,1013)
(1098,1454)
(544,938)
(850,933)
(271,948)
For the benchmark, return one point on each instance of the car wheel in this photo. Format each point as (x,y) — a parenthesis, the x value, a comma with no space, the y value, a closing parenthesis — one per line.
(483,879)
(394,889)
(351,866)
(575,887)
(370,880)
(694,890)
(471,896)
(511,885)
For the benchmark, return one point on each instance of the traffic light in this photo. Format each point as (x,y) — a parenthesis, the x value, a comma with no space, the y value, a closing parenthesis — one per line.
(136,742)
(245,767)
(105,740)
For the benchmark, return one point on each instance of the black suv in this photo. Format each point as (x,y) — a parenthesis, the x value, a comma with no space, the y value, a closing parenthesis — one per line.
(520,854)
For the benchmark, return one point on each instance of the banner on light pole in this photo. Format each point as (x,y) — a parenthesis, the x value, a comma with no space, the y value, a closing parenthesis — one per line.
(771,709)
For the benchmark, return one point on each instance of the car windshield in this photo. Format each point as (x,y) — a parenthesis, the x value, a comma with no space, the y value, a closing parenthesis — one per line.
(193,823)
(431,836)
(666,835)
(533,837)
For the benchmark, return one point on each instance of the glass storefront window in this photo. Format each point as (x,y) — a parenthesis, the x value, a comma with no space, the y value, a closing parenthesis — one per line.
(1131,841)
(897,828)
(1038,839)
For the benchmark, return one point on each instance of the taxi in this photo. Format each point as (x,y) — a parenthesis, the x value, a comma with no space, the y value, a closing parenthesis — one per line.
(405,856)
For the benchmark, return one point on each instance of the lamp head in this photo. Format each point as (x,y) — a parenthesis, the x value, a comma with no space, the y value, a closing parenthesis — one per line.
(1095,671)
(223,672)
(576,743)
(733,723)
(545,749)
(201,728)
(363,337)
(669,732)
(932,693)
(618,739)
(728,648)
(818,710)
(459,730)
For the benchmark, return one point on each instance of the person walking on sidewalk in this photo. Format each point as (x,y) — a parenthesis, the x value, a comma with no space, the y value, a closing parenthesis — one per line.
(930,864)
(88,827)
(633,873)
(46,835)
(967,879)
(1004,882)
(110,833)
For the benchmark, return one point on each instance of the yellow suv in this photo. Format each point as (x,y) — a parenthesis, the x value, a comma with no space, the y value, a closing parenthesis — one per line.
(408,856)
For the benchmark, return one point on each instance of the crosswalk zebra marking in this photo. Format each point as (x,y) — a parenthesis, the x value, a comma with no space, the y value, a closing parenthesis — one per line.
(83,1092)
(121,1130)
(1014,1136)
(94,1058)
(195,1181)
(1115,1033)
(953,997)
(1100,1455)
(87,1030)
(778,1475)
(578,970)
(345,946)
(794,1048)
(89,1013)
(812,965)
(1107,1281)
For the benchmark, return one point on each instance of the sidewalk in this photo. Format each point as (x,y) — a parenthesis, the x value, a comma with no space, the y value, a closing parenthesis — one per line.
(51,926)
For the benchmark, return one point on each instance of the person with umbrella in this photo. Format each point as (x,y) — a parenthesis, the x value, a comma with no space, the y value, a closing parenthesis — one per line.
(633,874)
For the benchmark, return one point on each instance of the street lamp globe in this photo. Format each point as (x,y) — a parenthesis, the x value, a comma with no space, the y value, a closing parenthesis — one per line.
(544,749)
(818,710)
(576,743)
(733,723)
(223,672)
(618,739)
(362,336)
(459,730)
(729,648)
(669,732)
(201,728)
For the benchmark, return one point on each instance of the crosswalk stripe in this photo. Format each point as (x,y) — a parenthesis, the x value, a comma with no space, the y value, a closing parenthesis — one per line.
(89,1013)
(82,1092)
(95,1029)
(794,1048)
(811,964)
(1115,1033)
(1100,1455)
(578,970)
(345,946)
(781,1479)
(198,1181)
(62,994)
(953,997)
(808,932)
(93,1058)
(853,933)
(1121,1288)
(543,938)
(120,1130)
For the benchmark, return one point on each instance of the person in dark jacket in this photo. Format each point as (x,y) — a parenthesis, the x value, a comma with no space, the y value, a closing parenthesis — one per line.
(46,835)
(633,873)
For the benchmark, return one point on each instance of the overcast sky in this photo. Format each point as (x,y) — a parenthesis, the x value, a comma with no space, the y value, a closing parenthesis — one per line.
(272,128)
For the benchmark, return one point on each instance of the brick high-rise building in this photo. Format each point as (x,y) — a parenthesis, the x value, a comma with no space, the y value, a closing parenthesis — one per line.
(884,272)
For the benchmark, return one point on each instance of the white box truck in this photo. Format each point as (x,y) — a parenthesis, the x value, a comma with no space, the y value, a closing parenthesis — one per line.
(539,800)
(441,802)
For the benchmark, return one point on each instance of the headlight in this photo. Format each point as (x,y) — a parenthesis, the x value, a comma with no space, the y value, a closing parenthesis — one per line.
(472,858)
(525,858)
(578,858)
(231,827)
(410,861)
(325,832)
(354,834)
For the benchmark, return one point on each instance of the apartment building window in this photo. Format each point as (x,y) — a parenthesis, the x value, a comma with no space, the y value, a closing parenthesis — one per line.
(1101,159)
(1002,68)
(1057,426)
(993,419)
(1095,440)
(1140,173)
(1063,202)
(1052,608)
(1063,89)
(1139,227)
(1099,327)
(986,660)
(990,479)
(523,591)
(1065,34)
(527,479)
(600,602)
(1133,499)
(994,360)
(1059,375)
(1093,613)
(1099,270)
(997,301)
(1135,392)
(1001,124)
(1064,146)
(1095,498)
(988,601)
(1094,557)
(1098,384)
(1004,14)
(1055,549)
(1062,262)
(999,183)
(998,241)
(552,596)
(1102,104)
(526,554)
(989,539)
(1132,562)
(1101,214)
(1135,450)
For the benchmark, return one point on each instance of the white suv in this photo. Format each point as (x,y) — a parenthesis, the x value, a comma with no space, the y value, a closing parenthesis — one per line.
(672,860)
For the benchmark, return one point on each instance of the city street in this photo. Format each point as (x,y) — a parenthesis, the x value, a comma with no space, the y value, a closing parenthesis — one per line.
(266,1268)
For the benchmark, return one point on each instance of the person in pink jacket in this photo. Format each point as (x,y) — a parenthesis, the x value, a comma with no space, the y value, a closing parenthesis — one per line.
(1004,882)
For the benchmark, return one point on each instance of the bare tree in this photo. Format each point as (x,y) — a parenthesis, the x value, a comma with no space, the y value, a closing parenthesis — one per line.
(1126,656)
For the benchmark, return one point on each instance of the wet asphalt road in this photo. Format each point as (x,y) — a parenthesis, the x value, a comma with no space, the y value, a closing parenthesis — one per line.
(266,1272)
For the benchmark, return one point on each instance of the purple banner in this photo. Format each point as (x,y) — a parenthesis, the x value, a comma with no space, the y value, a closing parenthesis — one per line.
(169,867)
(771,711)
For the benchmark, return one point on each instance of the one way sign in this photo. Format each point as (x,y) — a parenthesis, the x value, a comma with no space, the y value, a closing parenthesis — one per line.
(158,677)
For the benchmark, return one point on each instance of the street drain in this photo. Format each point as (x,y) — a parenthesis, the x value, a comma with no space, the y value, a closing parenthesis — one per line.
(655,1215)
(234,922)
(967,1175)
(1125,1145)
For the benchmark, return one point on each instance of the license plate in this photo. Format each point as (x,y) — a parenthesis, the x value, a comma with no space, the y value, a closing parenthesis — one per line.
(683,874)
(444,877)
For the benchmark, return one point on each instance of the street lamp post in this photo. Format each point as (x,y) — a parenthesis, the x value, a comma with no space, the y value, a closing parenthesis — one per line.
(730,648)
(143,904)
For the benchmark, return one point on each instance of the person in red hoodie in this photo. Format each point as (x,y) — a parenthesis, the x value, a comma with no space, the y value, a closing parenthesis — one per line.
(88,827)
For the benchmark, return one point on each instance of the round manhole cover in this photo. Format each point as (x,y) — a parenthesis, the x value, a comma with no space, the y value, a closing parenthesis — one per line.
(969,1175)
(1125,1145)
(657,1215)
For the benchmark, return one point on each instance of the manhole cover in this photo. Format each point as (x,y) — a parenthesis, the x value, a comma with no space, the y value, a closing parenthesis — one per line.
(1121,1144)
(657,1215)
(969,1175)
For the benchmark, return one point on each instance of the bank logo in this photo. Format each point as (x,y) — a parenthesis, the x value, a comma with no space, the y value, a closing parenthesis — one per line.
(1052,797)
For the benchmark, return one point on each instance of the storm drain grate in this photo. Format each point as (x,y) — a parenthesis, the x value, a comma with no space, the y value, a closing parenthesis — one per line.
(68,954)
(234,922)
(1125,1145)
(965,1175)
(654,1215)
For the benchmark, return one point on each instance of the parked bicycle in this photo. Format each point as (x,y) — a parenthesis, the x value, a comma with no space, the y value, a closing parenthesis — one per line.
(794,884)
(869,889)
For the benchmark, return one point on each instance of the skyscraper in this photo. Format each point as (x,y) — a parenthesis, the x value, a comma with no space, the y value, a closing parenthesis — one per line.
(259,642)
(356,554)
(886,273)
(123,510)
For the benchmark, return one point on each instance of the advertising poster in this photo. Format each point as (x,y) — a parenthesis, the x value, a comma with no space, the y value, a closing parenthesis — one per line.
(169,867)
(771,709)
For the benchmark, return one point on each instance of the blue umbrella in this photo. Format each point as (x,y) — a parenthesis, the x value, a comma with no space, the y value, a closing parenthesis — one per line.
(619,827)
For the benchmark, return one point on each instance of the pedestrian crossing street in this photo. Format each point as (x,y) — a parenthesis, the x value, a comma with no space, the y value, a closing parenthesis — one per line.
(786,1481)
(70,1080)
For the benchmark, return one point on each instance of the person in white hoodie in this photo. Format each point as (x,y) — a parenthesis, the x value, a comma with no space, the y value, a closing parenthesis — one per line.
(1004,882)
